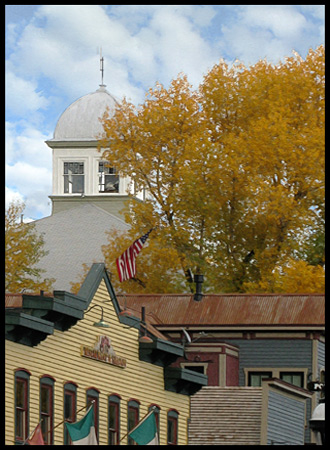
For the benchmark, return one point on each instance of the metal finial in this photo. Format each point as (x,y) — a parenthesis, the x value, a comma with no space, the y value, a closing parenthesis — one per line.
(101,67)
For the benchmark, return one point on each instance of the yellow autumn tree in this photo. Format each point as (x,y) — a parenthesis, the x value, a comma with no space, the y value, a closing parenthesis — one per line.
(294,277)
(234,172)
(268,121)
(158,146)
(23,249)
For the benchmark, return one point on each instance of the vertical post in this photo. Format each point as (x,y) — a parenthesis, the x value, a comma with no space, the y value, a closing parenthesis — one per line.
(198,279)
(143,320)
(101,66)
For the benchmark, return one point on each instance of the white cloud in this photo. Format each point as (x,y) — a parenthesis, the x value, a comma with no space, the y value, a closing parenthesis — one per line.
(12,196)
(27,144)
(23,174)
(180,47)
(21,95)
(34,182)
(282,20)
(61,42)
(254,32)
(316,11)
(28,169)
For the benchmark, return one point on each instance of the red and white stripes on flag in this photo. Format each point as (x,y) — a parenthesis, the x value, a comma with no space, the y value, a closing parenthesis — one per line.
(126,262)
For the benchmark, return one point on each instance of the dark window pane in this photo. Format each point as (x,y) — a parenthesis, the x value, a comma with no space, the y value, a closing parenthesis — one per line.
(295,378)
(255,378)
(20,393)
(20,424)
(172,431)
(21,407)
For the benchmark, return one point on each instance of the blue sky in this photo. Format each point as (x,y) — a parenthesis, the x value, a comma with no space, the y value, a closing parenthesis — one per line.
(52,59)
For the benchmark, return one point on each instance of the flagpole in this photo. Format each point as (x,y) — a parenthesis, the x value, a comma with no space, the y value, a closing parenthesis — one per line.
(32,432)
(65,420)
(130,431)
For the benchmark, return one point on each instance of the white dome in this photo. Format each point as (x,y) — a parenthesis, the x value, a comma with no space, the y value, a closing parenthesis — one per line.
(80,121)
(318,413)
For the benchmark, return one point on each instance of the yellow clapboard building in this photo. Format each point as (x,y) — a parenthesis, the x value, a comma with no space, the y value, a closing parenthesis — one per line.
(66,351)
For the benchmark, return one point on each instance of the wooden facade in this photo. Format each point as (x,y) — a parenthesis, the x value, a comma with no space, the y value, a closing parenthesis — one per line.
(52,343)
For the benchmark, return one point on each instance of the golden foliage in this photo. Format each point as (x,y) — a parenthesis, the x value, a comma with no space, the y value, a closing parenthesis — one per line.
(234,172)
(23,250)
(295,277)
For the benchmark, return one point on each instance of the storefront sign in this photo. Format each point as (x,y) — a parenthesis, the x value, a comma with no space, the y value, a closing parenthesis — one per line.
(104,352)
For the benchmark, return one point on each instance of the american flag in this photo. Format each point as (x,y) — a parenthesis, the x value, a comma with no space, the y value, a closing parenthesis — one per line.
(126,262)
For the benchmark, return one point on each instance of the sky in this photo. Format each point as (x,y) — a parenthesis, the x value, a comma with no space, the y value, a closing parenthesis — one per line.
(52,55)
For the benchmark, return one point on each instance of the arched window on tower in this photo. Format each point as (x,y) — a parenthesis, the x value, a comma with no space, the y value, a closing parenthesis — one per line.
(108,178)
(73,177)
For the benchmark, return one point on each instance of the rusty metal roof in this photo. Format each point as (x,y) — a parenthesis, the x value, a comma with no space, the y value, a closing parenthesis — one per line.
(230,309)
(220,309)
(13,300)
(16,300)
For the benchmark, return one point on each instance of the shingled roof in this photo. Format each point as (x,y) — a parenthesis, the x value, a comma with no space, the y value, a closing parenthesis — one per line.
(218,418)
(231,309)
(74,237)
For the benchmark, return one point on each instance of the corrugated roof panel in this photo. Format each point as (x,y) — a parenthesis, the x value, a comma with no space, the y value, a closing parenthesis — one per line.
(13,300)
(230,309)
(221,310)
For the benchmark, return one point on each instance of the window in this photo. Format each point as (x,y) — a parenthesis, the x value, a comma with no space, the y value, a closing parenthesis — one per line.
(108,178)
(295,378)
(255,378)
(132,418)
(92,394)
(199,368)
(172,427)
(47,408)
(114,422)
(21,404)
(156,410)
(73,177)
(70,408)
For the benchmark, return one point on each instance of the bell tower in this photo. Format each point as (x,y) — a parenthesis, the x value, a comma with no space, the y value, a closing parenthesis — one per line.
(79,173)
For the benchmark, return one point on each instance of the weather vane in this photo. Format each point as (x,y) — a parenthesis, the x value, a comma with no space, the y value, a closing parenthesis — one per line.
(101,66)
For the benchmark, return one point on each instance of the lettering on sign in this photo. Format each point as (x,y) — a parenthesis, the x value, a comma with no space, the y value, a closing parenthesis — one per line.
(103,351)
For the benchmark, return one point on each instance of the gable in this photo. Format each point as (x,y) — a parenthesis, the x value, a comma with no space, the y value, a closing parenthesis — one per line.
(72,237)
(96,311)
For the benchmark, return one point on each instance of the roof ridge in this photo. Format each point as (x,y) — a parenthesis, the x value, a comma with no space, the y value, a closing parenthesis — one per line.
(83,205)
(103,210)
(234,294)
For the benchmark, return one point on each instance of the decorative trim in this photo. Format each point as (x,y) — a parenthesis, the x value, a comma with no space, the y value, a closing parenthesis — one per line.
(26,329)
(159,352)
(183,381)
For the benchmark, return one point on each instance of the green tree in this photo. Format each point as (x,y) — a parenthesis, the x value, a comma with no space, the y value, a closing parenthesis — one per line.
(23,250)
